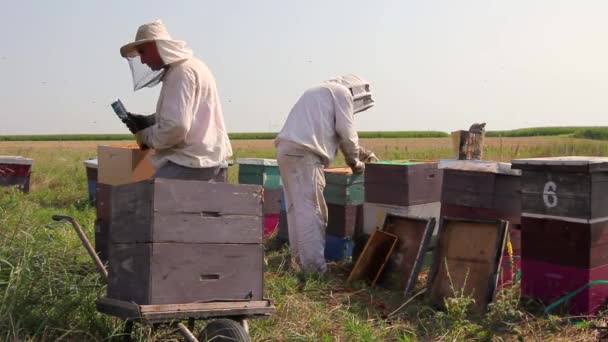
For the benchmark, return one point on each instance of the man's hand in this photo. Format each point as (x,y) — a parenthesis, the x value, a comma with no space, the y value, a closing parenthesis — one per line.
(140,142)
(358,167)
(367,156)
(137,122)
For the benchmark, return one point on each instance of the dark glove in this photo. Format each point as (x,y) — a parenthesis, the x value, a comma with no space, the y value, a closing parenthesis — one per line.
(137,122)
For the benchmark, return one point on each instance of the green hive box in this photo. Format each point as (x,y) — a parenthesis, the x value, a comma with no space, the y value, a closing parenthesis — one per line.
(343,187)
(259,171)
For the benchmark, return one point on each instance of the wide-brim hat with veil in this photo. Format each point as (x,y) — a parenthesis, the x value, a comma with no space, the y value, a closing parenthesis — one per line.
(169,50)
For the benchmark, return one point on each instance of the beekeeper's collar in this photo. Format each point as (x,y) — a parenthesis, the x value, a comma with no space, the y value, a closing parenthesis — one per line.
(170,51)
(360,90)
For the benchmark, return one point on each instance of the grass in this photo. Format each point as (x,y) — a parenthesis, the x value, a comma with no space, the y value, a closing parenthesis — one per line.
(48,285)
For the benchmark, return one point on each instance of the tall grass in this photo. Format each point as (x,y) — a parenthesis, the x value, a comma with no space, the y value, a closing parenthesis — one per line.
(48,285)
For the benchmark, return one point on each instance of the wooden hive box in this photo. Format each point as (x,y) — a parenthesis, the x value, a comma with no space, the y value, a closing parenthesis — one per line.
(402,183)
(175,241)
(343,187)
(259,171)
(16,171)
(573,187)
(479,189)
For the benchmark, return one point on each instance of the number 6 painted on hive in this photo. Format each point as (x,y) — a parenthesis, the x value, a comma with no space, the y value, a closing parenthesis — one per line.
(549,195)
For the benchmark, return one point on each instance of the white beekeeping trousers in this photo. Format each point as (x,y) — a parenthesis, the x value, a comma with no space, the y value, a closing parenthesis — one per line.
(303,183)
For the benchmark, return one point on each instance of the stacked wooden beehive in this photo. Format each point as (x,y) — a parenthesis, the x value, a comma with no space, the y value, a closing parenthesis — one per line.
(344,196)
(485,190)
(565,231)
(175,241)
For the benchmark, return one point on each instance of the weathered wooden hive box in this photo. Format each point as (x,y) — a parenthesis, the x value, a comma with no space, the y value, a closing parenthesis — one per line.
(402,183)
(486,190)
(175,241)
(481,189)
(16,171)
(565,230)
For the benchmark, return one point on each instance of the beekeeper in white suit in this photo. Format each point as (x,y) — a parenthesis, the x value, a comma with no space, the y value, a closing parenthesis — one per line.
(319,123)
(187,131)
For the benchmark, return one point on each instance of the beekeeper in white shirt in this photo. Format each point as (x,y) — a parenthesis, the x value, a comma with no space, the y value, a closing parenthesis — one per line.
(319,123)
(187,131)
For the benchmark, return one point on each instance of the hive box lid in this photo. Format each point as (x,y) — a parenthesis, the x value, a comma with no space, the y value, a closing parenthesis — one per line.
(343,175)
(17,160)
(257,161)
(479,166)
(123,164)
(565,164)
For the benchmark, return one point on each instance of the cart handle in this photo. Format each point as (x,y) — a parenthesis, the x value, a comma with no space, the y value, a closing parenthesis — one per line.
(85,241)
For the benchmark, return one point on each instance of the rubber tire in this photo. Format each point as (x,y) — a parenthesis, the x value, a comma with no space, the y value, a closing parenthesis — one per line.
(224,330)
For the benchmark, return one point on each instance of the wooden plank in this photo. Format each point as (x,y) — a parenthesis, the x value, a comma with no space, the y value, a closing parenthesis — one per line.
(189,228)
(413,238)
(144,309)
(209,198)
(462,264)
(374,257)
(163,313)
(197,228)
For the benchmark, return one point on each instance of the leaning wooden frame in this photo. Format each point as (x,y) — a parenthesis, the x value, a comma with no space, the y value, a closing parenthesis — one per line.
(413,239)
(466,260)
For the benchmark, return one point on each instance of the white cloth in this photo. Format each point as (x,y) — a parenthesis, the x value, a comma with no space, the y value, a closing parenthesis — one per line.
(322,121)
(303,183)
(169,50)
(189,129)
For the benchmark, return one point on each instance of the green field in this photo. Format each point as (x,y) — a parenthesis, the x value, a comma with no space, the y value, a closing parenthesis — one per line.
(48,284)
(599,133)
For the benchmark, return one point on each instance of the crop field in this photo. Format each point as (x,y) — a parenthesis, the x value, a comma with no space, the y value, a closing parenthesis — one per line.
(48,284)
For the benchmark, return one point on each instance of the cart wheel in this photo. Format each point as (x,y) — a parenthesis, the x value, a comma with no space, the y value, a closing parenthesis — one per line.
(223,329)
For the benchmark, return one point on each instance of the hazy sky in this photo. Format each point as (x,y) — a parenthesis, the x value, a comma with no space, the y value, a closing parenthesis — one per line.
(433,65)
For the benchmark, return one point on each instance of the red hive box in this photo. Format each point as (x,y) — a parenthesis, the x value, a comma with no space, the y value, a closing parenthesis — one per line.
(16,170)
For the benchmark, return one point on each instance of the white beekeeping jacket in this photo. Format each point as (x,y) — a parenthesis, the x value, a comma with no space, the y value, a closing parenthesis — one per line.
(189,129)
(322,121)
